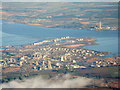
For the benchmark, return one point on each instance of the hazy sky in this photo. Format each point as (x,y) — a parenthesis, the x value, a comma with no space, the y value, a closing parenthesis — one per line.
(59,0)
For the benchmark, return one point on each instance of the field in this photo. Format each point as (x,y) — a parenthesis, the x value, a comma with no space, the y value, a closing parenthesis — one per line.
(63,15)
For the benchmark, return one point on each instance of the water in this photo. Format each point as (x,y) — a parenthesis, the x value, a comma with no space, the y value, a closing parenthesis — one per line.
(11,40)
(106,44)
(20,34)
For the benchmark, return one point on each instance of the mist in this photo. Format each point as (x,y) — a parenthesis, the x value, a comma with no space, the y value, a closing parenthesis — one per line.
(59,0)
(57,82)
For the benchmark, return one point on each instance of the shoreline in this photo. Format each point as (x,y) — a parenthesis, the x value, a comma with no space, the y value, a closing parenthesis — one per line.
(43,26)
(58,29)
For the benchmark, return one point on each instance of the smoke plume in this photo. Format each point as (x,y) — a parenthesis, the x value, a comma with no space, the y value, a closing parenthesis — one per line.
(57,82)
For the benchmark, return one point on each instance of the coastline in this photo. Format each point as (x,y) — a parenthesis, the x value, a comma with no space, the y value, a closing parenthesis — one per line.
(37,31)
(43,26)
